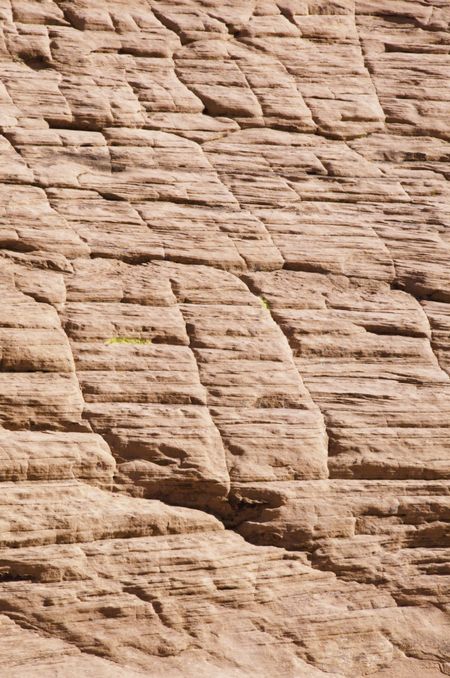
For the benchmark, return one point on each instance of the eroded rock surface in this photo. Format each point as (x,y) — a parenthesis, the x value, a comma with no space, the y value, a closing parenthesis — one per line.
(224,338)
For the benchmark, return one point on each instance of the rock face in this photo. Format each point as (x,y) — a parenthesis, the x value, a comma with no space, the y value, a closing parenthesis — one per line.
(224,338)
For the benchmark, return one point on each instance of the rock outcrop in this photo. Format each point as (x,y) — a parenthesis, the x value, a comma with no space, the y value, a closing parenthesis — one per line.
(224,338)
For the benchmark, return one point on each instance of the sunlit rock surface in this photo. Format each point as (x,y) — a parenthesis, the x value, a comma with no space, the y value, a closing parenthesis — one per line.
(224,338)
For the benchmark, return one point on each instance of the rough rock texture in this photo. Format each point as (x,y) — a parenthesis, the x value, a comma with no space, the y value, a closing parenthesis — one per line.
(224,338)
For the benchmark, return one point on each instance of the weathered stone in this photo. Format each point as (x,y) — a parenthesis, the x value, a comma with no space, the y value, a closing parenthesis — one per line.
(224,338)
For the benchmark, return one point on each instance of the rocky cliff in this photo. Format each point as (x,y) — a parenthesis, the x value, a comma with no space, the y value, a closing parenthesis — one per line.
(224,338)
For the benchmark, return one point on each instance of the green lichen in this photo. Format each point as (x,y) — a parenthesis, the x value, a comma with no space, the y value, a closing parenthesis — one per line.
(127,340)
(265,303)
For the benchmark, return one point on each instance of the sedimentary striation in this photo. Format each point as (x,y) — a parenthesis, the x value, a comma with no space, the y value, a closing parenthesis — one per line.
(224,338)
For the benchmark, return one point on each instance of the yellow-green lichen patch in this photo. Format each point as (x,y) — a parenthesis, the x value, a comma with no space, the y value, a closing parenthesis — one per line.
(127,340)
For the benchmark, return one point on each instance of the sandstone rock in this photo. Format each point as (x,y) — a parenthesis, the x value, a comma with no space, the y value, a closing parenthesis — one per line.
(26,651)
(32,455)
(224,338)
(66,511)
(279,590)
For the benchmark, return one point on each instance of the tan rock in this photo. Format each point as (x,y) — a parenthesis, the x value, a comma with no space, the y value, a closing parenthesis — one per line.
(32,455)
(224,338)
(27,651)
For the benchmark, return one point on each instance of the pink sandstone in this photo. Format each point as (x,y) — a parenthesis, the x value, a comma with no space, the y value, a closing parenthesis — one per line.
(224,338)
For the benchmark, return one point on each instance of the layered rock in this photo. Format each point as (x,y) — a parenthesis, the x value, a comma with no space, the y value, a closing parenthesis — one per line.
(224,338)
